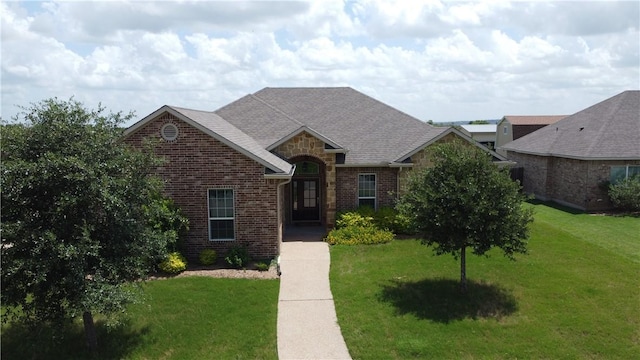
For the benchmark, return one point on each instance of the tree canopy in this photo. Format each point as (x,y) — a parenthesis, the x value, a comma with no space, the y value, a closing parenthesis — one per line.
(81,215)
(465,201)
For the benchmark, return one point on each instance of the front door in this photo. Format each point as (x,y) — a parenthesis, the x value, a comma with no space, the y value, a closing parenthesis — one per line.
(305,199)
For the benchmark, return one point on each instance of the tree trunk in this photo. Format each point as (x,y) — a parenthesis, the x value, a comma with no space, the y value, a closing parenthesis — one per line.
(90,332)
(463,269)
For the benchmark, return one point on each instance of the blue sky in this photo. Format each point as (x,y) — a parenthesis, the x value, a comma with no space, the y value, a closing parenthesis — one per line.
(441,61)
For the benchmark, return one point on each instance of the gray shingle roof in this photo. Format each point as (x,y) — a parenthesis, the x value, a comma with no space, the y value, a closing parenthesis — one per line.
(373,132)
(215,126)
(533,119)
(607,130)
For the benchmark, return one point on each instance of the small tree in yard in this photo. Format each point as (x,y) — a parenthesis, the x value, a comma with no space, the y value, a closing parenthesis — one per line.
(465,201)
(81,216)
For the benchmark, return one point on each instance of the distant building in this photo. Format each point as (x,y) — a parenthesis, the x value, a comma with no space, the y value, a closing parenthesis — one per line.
(512,127)
(485,134)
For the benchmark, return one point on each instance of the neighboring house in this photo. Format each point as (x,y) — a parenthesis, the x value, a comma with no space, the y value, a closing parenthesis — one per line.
(513,127)
(283,156)
(573,160)
(485,134)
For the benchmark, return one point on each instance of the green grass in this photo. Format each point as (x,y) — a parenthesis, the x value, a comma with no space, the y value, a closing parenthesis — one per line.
(575,295)
(183,318)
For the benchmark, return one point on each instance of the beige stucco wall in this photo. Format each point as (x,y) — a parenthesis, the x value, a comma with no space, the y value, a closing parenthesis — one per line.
(305,144)
(501,137)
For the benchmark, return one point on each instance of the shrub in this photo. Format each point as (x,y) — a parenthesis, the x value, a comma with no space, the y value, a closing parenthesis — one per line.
(207,257)
(385,218)
(625,195)
(174,263)
(237,256)
(366,211)
(262,266)
(357,235)
(352,218)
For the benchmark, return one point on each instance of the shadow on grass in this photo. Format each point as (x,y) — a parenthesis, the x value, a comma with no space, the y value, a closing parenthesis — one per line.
(440,300)
(22,342)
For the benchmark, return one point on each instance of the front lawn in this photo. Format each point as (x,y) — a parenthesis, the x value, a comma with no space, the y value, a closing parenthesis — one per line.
(575,295)
(183,318)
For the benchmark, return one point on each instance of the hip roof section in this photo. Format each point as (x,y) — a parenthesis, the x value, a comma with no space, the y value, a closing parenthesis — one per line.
(609,130)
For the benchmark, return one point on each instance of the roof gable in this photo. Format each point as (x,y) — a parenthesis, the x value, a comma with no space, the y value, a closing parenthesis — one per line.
(372,131)
(216,127)
(609,130)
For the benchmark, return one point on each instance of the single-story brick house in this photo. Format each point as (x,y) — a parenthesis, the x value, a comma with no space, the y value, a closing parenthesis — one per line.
(283,156)
(573,160)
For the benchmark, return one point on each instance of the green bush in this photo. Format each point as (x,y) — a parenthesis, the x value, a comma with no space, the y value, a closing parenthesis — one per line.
(625,195)
(366,211)
(237,256)
(207,257)
(385,218)
(262,266)
(357,235)
(352,218)
(174,263)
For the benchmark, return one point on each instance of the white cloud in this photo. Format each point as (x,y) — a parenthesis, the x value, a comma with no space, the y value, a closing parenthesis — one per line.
(434,60)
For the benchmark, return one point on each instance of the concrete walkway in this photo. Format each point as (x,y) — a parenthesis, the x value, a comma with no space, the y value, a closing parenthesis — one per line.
(307,323)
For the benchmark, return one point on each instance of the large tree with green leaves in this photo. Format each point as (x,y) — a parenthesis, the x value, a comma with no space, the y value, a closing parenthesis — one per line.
(82,215)
(463,202)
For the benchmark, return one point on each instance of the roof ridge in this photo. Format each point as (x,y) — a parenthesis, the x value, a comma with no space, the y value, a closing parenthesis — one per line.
(394,108)
(277,109)
(611,116)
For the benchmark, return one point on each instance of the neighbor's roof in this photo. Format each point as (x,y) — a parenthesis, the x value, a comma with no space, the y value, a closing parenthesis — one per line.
(480,128)
(372,132)
(609,130)
(533,119)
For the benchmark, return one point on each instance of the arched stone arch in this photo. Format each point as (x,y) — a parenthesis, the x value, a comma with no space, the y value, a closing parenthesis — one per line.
(305,146)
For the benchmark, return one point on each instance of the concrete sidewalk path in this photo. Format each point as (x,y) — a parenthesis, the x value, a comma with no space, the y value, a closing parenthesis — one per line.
(307,323)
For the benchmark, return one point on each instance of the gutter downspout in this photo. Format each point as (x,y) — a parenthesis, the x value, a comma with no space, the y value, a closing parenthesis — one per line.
(279,214)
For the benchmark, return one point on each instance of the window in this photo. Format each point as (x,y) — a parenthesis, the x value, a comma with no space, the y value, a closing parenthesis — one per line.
(221,214)
(367,190)
(619,173)
(504,130)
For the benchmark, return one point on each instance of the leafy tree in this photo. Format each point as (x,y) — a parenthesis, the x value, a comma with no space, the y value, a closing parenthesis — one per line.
(478,122)
(81,216)
(465,201)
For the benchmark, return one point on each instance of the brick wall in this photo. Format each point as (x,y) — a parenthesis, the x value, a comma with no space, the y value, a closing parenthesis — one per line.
(196,162)
(577,183)
(347,186)
(535,174)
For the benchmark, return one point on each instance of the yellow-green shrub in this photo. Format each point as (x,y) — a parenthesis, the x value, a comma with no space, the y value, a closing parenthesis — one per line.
(357,235)
(174,263)
(353,218)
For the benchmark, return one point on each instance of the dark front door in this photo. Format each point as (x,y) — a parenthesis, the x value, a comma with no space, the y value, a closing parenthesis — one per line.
(305,199)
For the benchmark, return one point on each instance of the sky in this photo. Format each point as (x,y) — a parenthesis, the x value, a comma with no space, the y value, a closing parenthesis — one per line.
(435,60)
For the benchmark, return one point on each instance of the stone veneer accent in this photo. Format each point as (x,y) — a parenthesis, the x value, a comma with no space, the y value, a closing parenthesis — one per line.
(196,162)
(577,183)
(305,144)
(420,160)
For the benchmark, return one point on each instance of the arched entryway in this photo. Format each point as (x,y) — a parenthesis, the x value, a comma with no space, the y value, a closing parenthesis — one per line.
(307,198)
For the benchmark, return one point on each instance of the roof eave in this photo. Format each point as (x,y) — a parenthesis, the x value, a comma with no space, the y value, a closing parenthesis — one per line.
(575,157)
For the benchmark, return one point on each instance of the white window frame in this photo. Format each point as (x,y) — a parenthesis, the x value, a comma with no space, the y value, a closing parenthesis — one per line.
(505,129)
(226,218)
(375,190)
